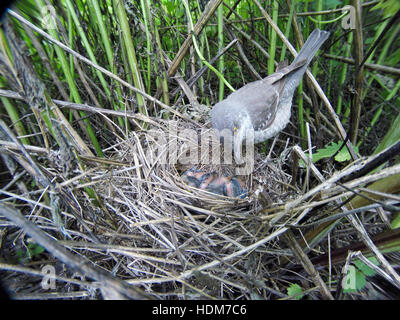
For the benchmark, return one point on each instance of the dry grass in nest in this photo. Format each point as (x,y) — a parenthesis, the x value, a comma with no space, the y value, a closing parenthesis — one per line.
(176,228)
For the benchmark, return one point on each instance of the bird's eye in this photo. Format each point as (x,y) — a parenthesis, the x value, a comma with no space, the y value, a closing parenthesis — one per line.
(235,129)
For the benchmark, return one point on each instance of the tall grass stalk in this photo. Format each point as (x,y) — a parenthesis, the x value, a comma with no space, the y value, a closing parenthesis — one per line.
(220,15)
(273,38)
(149,47)
(97,18)
(162,78)
(391,93)
(343,79)
(70,80)
(130,52)
(288,28)
(318,18)
(12,112)
(87,46)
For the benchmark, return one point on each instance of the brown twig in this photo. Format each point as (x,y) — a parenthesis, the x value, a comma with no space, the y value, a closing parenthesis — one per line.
(205,16)
(370,66)
(307,265)
(358,81)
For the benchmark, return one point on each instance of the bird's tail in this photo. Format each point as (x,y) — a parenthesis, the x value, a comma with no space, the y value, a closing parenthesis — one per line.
(307,52)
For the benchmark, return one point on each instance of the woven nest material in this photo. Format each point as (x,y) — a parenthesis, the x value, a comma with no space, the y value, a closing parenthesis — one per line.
(181,228)
(160,155)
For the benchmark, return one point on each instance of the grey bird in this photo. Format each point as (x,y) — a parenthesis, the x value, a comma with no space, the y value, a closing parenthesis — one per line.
(262,108)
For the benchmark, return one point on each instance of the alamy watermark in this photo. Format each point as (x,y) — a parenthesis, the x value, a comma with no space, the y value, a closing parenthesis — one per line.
(48,17)
(349,279)
(49,278)
(349,21)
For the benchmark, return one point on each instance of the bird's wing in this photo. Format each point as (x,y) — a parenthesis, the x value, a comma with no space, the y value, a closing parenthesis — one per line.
(261,98)
(263,110)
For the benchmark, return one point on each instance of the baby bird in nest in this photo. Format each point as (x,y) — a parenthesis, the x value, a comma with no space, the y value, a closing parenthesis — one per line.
(229,186)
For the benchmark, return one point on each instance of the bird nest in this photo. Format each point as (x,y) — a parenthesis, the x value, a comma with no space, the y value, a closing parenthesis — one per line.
(172,231)
(159,156)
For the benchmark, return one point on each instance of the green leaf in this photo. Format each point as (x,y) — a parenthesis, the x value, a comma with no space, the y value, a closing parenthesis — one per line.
(329,150)
(20,254)
(389,7)
(34,249)
(391,136)
(343,155)
(295,290)
(360,280)
(395,222)
(331,4)
(364,268)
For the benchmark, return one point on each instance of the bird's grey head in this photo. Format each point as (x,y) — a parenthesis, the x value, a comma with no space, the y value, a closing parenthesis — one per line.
(232,123)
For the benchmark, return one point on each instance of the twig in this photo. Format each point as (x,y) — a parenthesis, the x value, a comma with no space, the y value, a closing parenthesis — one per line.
(346,213)
(74,262)
(371,66)
(297,150)
(358,81)
(243,55)
(307,265)
(192,80)
(205,16)
(384,156)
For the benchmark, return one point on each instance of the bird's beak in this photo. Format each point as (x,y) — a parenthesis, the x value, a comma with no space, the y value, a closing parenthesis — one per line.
(238,137)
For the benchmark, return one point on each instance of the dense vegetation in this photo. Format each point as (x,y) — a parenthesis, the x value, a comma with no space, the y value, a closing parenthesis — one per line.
(79,77)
